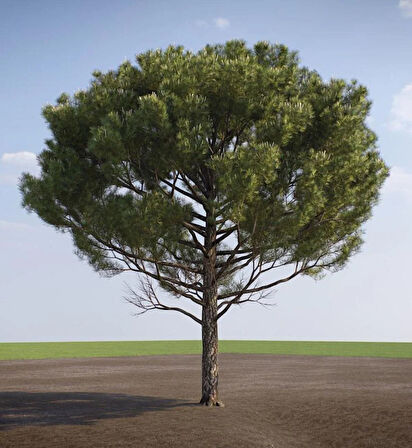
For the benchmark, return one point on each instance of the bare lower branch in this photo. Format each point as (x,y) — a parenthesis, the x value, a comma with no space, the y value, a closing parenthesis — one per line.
(147,300)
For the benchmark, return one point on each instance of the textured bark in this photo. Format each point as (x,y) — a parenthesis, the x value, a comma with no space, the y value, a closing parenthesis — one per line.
(210,373)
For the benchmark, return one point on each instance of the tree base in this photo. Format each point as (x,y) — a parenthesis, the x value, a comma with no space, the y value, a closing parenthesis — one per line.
(210,402)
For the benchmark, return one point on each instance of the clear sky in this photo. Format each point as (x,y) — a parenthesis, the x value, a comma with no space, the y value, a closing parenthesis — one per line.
(47,47)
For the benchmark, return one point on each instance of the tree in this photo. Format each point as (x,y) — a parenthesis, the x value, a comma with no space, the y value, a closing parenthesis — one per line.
(205,172)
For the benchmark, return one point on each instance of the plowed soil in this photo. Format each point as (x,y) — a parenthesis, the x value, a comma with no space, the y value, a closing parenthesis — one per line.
(150,401)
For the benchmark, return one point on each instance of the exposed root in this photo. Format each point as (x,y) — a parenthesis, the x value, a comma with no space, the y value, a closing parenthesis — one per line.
(210,402)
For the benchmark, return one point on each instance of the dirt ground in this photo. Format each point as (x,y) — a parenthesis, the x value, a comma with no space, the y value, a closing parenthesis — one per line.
(150,401)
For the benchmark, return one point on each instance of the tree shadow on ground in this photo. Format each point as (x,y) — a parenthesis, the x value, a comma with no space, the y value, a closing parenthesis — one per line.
(75,408)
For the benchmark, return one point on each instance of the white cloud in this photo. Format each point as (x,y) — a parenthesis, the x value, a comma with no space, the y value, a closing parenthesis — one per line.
(201,23)
(218,22)
(221,22)
(406,7)
(401,111)
(24,158)
(400,181)
(12,164)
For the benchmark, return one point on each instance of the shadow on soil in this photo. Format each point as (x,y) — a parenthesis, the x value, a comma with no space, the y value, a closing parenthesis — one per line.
(75,408)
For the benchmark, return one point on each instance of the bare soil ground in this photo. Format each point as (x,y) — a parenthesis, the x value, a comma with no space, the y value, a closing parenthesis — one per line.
(150,401)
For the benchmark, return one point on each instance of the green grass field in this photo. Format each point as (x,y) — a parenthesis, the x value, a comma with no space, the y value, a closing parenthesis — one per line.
(42,350)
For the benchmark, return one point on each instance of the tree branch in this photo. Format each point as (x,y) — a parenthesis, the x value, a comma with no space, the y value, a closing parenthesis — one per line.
(149,301)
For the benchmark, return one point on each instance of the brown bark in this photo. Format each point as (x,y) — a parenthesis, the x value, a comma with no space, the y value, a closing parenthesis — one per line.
(210,372)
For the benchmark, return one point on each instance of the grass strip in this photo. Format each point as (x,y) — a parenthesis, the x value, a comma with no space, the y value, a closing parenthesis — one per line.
(53,350)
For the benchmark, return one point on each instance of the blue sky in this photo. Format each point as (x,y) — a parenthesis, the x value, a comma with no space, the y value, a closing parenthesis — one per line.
(47,47)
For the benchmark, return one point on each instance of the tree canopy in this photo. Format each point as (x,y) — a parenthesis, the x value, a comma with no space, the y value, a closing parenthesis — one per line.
(279,159)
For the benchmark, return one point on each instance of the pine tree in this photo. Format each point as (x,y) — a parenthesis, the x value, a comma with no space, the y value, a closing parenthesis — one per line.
(205,173)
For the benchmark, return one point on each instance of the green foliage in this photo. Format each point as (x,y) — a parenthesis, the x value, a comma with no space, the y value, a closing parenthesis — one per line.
(263,143)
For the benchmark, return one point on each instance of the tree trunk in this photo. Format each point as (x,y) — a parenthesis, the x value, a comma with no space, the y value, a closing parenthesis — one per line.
(209,322)
(210,373)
